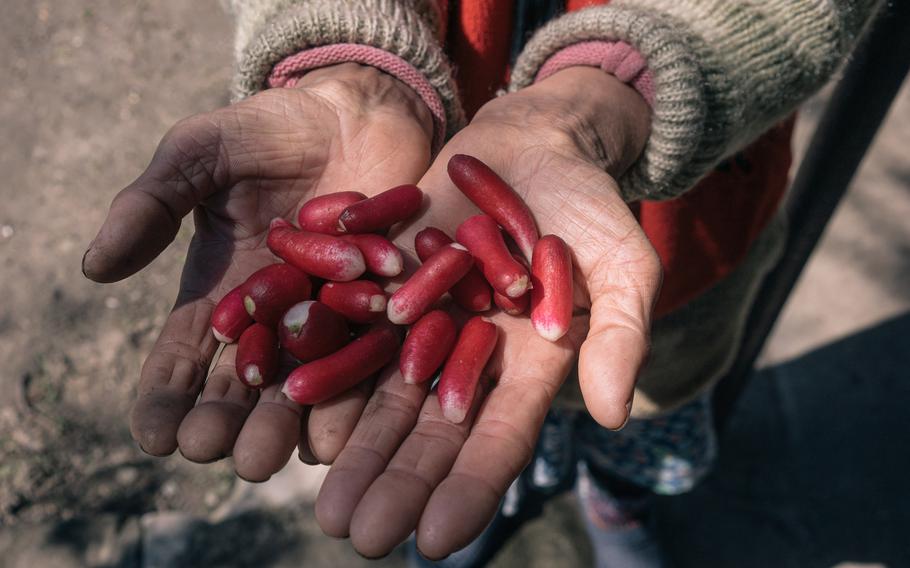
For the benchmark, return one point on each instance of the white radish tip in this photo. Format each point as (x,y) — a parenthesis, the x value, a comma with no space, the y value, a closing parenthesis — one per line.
(550,332)
(352,267)
(252,375)
(297,316)
(453,414)
(458,246)
(221,337)
(249,304)
(395,315)
(378,303)
(392,265)
(517,288)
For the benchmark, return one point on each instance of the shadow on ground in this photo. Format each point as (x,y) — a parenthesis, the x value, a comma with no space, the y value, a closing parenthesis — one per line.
(812,469)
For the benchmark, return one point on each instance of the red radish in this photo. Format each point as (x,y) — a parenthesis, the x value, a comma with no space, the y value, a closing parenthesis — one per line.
(382,210)
(360,301)
(433,279)
(230,318)
(320,214)
(552,295)
(382,257)
(496,198)
(481,235)
(257,356)
(271,290)
(324,256)
(426,347)
(310,330)
(512,306)
(458,383)
(472,292)
(319,380)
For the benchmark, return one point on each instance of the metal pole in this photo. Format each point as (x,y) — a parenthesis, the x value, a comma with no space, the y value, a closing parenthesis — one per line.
(852,118)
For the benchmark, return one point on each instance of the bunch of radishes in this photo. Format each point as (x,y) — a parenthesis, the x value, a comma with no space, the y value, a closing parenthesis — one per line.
(339,240)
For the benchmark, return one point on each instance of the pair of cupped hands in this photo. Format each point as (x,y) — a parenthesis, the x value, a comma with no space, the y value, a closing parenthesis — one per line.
(397,465)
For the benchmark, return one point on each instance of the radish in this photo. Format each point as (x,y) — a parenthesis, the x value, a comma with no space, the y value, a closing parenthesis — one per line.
(461,373)
(310,330)
(271,290)
(320,214)
(481,235)
(257,356)
(472,292)
(381,211)
(321,255)
(360,301)
(496,198)
(426,347)
(320,380)
(433,279)
(512,306)
(381,256)
(229,318)
(552,295)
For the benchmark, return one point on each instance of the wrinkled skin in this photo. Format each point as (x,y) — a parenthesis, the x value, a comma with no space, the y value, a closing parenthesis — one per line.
(398,466)
(344,127)
(405,468)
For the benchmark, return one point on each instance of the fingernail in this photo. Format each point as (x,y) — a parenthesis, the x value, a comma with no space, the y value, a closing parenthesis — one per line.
(628,415)
(82,267)
(308,459)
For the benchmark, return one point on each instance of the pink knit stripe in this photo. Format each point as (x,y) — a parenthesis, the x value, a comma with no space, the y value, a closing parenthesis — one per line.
(617,58)
(291,68)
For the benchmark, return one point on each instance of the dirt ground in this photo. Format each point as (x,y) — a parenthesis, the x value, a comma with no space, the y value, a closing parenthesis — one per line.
(91,85)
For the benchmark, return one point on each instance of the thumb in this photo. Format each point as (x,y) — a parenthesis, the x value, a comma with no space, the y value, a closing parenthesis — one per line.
(145,216)
(616,348)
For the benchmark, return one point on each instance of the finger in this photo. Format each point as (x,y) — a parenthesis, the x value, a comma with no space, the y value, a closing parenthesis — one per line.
(332,422)
(391,507)
(617,344)
(172,376)
(304,452)
(209,431)
(145,217)
(175,371)
(268,436)
(498,448)
(387,419)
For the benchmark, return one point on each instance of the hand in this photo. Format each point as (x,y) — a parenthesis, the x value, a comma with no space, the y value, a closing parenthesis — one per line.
(405,468)
(345,127)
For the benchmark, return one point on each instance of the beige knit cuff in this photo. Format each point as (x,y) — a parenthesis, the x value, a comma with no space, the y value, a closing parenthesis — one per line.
(400,27)
(664,169)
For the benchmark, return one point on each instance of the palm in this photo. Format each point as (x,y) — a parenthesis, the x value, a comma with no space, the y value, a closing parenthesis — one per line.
(278,154)
(237,169)
(369,494)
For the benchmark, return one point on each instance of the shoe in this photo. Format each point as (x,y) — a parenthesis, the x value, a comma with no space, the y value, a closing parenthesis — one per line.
(618,526)
(552,470)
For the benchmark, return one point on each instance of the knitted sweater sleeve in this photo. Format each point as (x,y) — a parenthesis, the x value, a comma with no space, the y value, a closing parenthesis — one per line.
(268,31)
(724,71)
